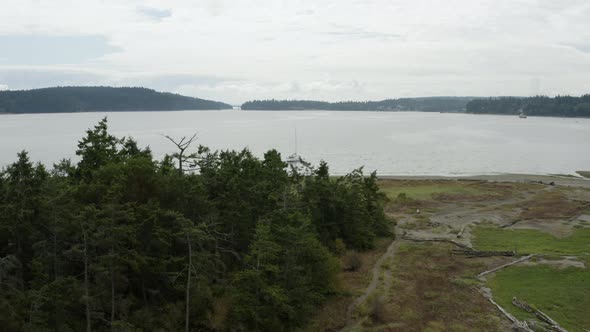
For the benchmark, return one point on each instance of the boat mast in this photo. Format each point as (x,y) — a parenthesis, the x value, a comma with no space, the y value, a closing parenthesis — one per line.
(295,140)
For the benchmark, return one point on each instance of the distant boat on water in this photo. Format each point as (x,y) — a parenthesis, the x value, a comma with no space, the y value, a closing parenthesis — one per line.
(521,114)
(294,158)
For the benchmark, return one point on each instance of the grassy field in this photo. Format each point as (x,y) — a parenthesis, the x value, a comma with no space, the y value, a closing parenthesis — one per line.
(531,241)
(424,190)
(432,291)
(450,191)
(563,294)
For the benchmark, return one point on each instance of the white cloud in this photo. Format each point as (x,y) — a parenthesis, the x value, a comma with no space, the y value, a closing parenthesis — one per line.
(3,87)
(239,50)
(46,49)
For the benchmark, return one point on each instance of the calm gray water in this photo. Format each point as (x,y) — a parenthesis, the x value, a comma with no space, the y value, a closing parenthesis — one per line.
(404,143)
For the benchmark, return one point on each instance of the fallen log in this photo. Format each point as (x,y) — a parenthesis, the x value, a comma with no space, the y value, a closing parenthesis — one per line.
(505,265)
(464,246)
(514,222)
(539,314)
(517,324)
(522,305)
(466,250)
(476,253)
(509,224)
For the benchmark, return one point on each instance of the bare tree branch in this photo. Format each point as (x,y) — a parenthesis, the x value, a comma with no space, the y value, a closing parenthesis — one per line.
(182,145)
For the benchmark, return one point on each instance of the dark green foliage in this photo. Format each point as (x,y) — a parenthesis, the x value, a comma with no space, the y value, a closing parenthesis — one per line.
(121,242)
(288,273)
(99,98)
(426,104)
(564,106)
(348,208)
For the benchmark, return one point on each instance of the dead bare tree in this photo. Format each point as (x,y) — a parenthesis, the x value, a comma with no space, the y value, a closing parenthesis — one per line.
(182,146)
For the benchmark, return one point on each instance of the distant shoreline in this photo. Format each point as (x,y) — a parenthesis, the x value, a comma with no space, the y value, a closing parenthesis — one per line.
(521,178)
(306,110)
(415,111)
(560,106)
(116,111)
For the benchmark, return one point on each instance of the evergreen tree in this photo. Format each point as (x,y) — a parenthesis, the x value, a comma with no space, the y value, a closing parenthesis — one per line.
(122,242)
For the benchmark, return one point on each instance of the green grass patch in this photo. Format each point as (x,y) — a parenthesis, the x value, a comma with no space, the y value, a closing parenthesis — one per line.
(563,294)
(424,190)
(465,281)
(531,241)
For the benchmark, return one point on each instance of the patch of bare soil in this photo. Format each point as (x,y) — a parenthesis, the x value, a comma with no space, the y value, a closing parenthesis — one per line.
(552,205)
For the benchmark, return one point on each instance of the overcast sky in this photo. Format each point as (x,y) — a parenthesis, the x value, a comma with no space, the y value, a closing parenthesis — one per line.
(319,49)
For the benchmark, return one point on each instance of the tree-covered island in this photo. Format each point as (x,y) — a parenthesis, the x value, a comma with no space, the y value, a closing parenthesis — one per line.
(99,98)
(426,104)
(561,106)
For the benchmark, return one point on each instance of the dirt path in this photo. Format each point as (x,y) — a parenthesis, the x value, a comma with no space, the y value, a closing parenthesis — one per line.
(377,283)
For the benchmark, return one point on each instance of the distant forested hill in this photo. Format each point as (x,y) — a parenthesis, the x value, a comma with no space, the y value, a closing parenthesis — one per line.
(564,106)
(88,99)
(426,104)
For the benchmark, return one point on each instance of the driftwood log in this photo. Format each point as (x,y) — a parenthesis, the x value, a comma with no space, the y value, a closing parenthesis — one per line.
(539,314)
(516,324)
(514,222)
(476,253)
(461,245)
(465,249)
(522,259)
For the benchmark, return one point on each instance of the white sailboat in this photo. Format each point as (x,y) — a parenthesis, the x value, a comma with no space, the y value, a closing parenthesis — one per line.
(294,158)
(521,114)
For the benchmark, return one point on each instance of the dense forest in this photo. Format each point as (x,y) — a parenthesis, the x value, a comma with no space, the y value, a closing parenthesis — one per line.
(89,99)
(427,104)
(199,241)
(563,106)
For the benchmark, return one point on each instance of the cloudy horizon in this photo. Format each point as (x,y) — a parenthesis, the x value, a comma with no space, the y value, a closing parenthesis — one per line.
(235,51)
